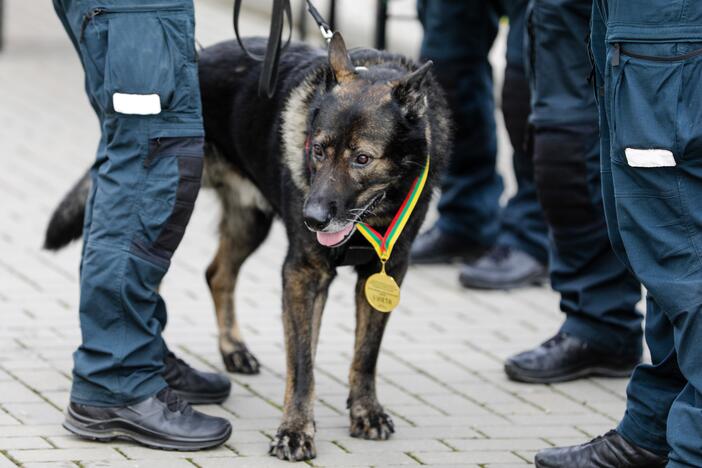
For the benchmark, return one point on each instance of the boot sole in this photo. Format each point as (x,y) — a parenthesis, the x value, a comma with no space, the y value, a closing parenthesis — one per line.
(201,399)
(593,371)
(113,429)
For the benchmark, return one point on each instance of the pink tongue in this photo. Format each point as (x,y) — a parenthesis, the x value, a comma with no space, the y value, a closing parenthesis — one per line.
(330,239)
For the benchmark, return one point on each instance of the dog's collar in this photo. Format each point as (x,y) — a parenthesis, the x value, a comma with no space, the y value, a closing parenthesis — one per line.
(356,252)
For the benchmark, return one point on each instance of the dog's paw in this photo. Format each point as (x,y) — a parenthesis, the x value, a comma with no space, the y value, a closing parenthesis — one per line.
(371,423)
(293,445)
(241,361)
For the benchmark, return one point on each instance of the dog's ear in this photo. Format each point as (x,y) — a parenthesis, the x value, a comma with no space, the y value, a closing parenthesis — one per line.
(408,89)
(414,79)
(339,60)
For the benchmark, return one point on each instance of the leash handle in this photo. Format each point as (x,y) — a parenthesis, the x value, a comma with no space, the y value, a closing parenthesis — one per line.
(271,59)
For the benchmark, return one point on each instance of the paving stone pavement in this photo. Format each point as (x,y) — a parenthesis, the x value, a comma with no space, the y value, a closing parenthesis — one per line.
(440,371)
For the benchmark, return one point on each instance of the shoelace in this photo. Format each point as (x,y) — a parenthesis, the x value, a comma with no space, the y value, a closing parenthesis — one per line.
(172,400)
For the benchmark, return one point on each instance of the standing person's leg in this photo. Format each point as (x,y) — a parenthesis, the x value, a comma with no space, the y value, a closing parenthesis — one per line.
(644,422)
(148,101)
(458,36)
(641,206)
(655,105)
(602,331)
(195,386)
(520,254)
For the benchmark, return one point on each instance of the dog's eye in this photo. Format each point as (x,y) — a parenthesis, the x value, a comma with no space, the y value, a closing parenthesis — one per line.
(318,151)
(362,159)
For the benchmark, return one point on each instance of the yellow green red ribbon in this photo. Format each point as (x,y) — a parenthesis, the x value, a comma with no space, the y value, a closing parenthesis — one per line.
(383,244)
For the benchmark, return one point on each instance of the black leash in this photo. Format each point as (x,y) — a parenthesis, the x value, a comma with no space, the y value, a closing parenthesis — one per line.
(281,12)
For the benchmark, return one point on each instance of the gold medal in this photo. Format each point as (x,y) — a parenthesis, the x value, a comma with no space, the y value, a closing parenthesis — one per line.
(382,292)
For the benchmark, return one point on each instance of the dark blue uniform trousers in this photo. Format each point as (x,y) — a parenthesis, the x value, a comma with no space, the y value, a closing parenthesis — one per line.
(141,79)
(458,36)
(649,64)
(598,294)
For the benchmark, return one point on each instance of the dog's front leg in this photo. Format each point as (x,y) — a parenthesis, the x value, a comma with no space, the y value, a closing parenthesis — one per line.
(368,418)
(304,294)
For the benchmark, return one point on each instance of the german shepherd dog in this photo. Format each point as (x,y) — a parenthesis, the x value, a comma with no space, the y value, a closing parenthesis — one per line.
(340,142)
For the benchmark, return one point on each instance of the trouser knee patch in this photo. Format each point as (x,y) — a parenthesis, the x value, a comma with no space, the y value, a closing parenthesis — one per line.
(561,176)
(188,152)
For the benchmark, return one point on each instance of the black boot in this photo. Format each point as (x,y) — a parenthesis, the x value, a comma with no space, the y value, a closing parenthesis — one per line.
(435,246)
(608,451)
(565,357)
(194,386)
(164,421)
(503,268)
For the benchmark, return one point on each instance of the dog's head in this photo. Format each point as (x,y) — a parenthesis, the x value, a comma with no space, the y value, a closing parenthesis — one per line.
(367,142)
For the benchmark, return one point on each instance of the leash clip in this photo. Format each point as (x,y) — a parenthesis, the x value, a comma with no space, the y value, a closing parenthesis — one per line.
(326,33)
(324,27)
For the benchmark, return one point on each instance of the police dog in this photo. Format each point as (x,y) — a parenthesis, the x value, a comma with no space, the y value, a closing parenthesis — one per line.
(340,142)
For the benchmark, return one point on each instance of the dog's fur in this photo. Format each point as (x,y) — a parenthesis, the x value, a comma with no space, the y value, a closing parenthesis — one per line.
(367,102)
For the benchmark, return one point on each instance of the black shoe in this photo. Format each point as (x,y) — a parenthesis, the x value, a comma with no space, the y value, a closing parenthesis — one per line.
(608,451)
(435,246)
(164,421)
(565,357)
(503,268)
(194,386)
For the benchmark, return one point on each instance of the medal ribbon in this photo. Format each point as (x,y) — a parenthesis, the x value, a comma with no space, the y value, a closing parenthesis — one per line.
(383,244)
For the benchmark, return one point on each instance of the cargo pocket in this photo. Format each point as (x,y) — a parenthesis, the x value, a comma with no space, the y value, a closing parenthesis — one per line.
(170,188)
(645,89)
(149,57)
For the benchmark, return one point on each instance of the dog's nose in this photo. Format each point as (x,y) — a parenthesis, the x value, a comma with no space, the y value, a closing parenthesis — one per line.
(318,215)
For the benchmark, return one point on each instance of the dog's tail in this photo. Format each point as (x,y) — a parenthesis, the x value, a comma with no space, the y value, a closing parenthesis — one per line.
(66,224)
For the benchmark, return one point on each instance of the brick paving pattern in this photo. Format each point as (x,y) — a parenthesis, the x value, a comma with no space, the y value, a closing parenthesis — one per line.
(440,372)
